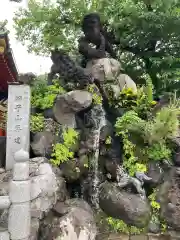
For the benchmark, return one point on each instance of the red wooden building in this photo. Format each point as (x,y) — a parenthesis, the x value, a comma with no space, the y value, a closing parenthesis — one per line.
(8,74)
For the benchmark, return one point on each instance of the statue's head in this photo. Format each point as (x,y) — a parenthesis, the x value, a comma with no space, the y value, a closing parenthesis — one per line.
(91,24)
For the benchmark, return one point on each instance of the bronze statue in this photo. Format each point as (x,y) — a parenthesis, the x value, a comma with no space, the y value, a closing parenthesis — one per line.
(95,34)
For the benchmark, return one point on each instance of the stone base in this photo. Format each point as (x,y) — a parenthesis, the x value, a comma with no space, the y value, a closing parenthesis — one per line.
(149,236)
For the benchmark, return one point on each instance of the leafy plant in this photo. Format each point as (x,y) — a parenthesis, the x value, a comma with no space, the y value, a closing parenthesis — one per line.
(158,151)
(62,152)
(37,123)
(146,139)
(141,102)
(96,96)
(117,225)
(43,96)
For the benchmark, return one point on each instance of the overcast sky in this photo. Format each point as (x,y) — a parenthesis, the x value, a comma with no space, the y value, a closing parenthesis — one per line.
(25,62)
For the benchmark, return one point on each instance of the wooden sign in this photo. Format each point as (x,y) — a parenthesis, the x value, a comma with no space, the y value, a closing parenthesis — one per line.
(18,122)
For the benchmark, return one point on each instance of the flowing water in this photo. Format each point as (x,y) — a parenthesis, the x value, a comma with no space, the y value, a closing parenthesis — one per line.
(95,159)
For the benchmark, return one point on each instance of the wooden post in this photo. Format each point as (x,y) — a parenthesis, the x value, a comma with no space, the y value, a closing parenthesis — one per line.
(18,122)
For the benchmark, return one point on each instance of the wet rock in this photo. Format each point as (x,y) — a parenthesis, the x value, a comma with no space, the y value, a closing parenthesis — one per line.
(73,169)
(42,143)
(131,208)
(106,131)
(169,199)
(78,222)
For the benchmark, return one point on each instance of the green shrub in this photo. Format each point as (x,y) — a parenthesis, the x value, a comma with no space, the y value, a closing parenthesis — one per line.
(146,139)
(43,96)
(62,152)
(37,123)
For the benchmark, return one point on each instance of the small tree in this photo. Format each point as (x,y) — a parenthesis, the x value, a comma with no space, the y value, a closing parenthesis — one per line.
(148,32)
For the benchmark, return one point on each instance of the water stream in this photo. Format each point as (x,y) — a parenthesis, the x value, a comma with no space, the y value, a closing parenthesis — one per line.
(95,157)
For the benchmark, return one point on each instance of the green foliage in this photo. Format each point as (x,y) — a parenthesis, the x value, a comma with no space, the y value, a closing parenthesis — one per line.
(155,208)
(146,139)
(149,33)
(154,204)
(96,96)
(158,151)
(43,96)
(141,102)
(119,226)
(62,152)
(37,123)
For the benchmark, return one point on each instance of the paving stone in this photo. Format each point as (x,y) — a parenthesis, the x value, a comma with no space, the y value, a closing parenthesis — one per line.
(139,237)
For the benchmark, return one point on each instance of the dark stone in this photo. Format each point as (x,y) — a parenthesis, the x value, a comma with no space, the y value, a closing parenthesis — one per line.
(117,203)
(4,218)
(155,172)
(48,113)
(73,169)
(42,144)
(67,69)
(177,158)
(169,199)
(2,151)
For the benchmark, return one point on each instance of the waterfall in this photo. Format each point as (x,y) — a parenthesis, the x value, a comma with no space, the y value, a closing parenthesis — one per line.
(101,120)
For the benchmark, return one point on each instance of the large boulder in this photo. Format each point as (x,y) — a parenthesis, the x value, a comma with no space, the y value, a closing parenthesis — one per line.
(68,104)
(169,199)
(104,68)
(117,203)
(73,219)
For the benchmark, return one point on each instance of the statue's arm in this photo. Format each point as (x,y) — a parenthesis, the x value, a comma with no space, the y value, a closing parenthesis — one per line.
(110,50)
(89,52)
